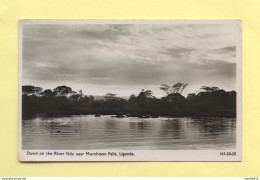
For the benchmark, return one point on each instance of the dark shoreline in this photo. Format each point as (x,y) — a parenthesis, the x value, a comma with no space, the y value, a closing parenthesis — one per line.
(62,101)
(137,112)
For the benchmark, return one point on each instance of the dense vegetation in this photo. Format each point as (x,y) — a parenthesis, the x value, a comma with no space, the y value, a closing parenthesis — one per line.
(210,101)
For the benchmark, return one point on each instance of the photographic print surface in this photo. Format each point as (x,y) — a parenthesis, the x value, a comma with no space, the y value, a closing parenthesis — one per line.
(130,90)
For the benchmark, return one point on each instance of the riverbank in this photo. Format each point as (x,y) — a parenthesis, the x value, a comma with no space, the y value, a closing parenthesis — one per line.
(138,112)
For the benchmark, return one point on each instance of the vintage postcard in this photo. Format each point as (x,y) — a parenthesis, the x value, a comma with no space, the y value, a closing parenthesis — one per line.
(130,90)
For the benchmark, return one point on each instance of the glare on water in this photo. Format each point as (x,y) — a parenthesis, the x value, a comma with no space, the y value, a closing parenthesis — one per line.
(87,132)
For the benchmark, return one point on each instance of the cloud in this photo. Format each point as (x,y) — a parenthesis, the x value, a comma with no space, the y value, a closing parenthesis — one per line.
(42,65)
(228,49)
(178,52)
(128,55)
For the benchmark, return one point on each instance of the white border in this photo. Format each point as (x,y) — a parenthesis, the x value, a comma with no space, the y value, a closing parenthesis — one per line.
(139,155)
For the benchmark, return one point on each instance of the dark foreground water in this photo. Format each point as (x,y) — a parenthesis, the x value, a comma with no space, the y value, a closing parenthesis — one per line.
(86,132)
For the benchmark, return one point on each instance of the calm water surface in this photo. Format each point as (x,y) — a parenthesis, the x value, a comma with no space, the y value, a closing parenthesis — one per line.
(86,132)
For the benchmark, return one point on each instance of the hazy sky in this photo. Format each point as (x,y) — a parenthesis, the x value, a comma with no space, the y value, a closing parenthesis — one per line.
(126,58)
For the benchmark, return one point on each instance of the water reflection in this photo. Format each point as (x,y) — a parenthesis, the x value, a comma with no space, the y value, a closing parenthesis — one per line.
(110,126)
(105,132)
(214,126)
(172,128)
(132,125)
(143,125)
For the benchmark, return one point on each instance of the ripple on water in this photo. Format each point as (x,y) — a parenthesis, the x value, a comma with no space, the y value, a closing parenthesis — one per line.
(88,132)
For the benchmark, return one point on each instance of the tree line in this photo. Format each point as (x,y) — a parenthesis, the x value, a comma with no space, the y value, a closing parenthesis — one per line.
(62,100)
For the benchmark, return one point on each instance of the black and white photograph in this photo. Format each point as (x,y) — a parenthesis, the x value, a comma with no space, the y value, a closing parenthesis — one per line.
(130,90)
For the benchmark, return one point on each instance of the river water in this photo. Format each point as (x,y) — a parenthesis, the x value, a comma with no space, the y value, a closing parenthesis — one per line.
(86,132)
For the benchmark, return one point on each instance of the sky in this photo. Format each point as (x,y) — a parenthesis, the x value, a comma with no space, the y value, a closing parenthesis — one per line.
(126,58)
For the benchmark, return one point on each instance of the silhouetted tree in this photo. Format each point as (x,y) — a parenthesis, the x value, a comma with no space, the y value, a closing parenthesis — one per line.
(110,96)
(209,89)
(63,100)
(144,98)
(175,100)
(31,90)
(111,100)
(62,91)
(212,98)
(166,88)
(47,93)
(145,94)
(176,88)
